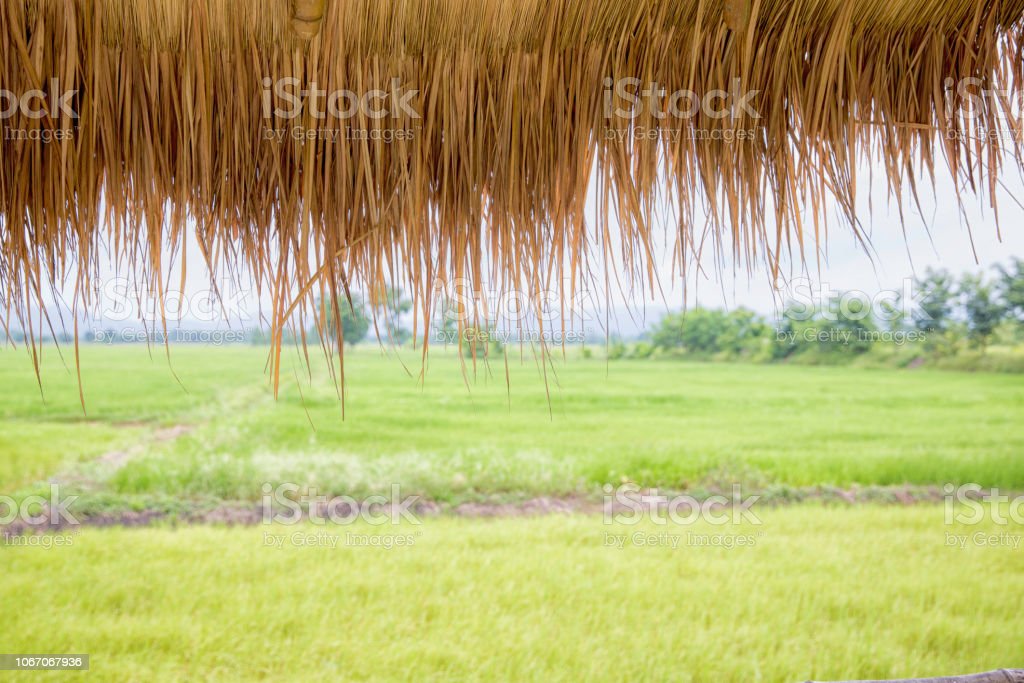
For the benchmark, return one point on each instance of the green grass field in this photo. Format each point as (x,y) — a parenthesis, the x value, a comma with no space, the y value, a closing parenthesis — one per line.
(664,424)
(823,591)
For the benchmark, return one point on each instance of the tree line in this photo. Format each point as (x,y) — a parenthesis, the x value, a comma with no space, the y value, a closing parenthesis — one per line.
(940,317)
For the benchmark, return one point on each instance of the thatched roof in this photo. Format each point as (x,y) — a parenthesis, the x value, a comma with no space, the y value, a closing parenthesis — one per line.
(487,167)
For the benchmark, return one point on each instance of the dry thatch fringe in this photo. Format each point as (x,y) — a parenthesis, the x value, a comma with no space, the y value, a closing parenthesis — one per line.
(492,184)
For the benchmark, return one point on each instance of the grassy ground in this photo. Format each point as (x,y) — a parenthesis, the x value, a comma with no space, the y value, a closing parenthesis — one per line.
(822,593)
(665,424)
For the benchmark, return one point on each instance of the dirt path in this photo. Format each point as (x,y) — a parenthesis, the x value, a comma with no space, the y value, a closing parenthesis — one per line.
(117,459)
(242,513)
(83,475)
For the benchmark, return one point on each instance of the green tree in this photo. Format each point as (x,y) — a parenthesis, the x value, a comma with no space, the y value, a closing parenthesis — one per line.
(1010,287)
(843,326)
(938,298)
(706,331)
(355,323)
(851,317)
(446,323)
(478,342)
(388,305)
(982,309)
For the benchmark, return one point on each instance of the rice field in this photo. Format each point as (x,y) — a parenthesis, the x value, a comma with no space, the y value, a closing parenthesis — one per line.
(823,594)
(656,423)
(818,590)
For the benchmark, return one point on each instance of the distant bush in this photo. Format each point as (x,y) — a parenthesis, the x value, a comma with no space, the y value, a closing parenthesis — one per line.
(616,350)
(643,350)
